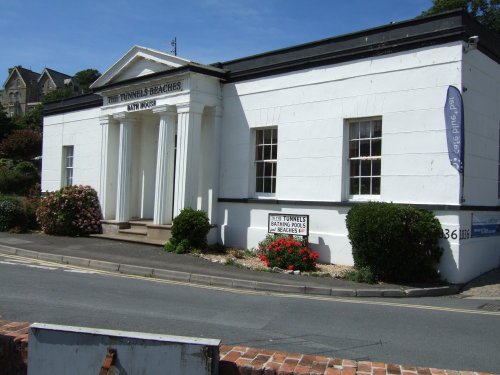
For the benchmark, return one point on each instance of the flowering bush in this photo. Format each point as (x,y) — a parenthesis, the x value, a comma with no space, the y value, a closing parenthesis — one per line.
(22,144)
(70,211)
(287,253)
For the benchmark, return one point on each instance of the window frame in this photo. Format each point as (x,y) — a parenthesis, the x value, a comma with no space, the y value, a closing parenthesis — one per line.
(68,154)
(273,161)
(348,158)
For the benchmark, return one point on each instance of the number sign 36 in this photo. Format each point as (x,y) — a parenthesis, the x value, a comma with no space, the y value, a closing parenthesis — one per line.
(462,234)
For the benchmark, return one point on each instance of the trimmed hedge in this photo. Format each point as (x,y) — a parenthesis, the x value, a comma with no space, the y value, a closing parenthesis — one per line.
(71,211)
(189,231)
(396,243)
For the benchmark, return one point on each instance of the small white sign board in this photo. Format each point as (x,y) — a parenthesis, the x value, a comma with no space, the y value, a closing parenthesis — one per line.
(55,349)
(295,225)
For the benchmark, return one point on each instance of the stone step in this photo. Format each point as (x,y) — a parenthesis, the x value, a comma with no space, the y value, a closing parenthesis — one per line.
(129,238)
(143,231)
(141,222)
(134,230)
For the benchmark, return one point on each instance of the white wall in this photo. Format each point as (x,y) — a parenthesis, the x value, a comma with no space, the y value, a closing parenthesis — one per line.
(481,78)
(80,129)
(245,225)
(467,257)
(310,107)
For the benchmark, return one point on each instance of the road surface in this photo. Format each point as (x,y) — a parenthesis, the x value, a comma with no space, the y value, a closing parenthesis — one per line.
(447,332)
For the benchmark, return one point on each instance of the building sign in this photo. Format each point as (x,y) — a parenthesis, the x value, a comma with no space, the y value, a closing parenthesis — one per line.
(145,92)
(138,106)
(296,225)
(455,233)
(485,225)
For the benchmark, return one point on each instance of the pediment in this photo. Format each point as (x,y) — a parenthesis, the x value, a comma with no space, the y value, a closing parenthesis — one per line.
(139,62)
(45,76)
(11,79)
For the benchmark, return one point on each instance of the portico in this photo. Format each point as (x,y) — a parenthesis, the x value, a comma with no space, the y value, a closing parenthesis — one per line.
(156,135)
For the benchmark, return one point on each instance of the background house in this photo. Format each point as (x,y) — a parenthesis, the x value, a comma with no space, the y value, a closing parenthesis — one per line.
(24,89)
(20,91)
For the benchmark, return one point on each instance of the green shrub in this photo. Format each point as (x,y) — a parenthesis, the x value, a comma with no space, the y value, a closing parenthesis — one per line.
(70,211)
(31,204)
(26,167)
(19,178)
(287,253)
(362,275)
(189,231)
(396,243)
(12,215)
(6,163)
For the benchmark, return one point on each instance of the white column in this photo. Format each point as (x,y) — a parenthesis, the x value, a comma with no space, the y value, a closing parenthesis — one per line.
(124,167)
(188,155)
(213,211)
(104,121)
(164,183)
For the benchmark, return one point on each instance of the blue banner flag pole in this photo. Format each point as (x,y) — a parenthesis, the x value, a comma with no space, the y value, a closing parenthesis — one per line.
(454,119)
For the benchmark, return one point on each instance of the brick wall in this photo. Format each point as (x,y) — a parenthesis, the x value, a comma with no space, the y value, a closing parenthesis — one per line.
(242,360)
(234,360)
(13,347)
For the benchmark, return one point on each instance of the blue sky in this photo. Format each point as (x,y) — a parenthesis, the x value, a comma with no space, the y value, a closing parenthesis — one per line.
(69,35)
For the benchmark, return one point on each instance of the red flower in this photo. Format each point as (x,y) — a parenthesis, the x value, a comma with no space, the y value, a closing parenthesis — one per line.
(290,267)
(268,264)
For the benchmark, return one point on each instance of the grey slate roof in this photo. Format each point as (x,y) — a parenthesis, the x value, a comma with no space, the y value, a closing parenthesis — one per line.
(27,75)
(57,77)
(72,104)
(400,36)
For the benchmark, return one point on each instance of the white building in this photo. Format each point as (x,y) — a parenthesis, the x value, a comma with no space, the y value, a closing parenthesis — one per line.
(312,129)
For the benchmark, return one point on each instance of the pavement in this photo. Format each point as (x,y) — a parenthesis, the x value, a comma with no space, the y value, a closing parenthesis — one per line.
(153,261)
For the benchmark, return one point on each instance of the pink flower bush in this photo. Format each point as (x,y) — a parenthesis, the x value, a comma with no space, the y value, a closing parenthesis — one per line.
(71,211)
(287,253)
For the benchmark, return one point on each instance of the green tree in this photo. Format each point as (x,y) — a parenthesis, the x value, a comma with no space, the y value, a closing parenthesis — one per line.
(6,123)
(485,11)
(86,78)
(58,94)
(32,120)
